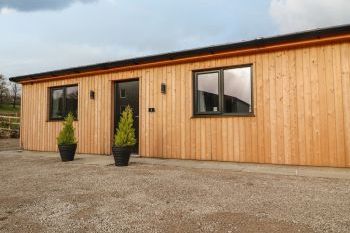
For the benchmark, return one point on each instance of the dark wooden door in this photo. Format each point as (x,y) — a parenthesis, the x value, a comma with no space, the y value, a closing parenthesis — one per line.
(127,93)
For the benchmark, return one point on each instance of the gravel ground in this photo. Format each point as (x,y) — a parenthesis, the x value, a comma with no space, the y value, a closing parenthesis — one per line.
(42,194)
(9,144)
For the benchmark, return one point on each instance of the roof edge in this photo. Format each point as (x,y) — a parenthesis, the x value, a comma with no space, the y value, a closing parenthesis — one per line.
(259,42)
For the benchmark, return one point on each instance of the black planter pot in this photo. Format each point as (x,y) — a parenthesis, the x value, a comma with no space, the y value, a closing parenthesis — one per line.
(121,155)
(67,152)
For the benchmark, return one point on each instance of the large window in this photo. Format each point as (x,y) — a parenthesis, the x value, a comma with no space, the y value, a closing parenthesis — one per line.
(224,91)
(62,101)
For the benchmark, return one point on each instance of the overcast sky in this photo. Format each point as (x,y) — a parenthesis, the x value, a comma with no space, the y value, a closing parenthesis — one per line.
(43,35)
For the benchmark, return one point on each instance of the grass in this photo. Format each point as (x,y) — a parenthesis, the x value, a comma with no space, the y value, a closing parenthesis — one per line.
(8,108)
(7,123)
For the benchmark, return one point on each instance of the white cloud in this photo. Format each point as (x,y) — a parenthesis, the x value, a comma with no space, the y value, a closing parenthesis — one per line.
(296,15)
(6,10)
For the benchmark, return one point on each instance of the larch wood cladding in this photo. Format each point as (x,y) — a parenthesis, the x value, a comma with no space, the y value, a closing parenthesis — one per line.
(301,105)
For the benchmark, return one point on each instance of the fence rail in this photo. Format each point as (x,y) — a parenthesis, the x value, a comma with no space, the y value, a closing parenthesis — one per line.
(15,114)
(9,122)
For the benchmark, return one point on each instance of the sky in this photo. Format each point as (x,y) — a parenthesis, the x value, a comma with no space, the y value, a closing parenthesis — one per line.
(45,35)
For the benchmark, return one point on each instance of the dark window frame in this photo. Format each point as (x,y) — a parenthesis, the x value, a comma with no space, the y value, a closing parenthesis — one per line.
(64,88)
(196,88)
(220,112)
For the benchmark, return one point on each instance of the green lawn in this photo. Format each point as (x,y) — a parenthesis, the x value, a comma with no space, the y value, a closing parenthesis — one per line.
(8,108)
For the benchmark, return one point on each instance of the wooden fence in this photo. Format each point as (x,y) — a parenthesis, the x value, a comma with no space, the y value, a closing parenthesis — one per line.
(14,114)
(9,122)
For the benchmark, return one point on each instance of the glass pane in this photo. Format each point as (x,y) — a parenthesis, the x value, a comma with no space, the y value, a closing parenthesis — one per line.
(208,92)
(122,93)
(57,110)
(72,100)
(237,90)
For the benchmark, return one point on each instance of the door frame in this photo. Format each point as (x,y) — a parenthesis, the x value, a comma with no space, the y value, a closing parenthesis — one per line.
(114,101)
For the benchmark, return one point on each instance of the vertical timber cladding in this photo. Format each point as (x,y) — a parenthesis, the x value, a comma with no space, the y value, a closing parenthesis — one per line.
(301,103)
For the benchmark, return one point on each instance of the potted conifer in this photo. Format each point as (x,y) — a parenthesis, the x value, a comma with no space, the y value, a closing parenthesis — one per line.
(124,138)
(66,141)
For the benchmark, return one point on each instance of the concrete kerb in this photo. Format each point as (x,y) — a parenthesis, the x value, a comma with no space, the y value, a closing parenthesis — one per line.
(100,160)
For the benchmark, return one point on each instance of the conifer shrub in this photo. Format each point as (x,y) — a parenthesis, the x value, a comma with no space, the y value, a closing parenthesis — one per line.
(125,135)
(67,134)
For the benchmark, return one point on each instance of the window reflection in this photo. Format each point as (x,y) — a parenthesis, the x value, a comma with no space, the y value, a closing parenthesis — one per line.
(63,101)
(237,90)
(208,92)
(224,91)
(72,100)
(57,104)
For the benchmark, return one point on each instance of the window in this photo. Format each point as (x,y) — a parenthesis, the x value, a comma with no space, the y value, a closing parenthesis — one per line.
(225,91)
(208,92)
(122,93)
(62,101)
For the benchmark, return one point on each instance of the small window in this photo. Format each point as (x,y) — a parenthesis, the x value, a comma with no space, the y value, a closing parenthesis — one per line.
(62,101)
(225,91)
(122,93)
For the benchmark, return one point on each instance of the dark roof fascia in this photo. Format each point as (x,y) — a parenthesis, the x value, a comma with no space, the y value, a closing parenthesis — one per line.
(259,42)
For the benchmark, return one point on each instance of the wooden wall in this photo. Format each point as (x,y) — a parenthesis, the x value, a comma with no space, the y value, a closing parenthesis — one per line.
(301,105)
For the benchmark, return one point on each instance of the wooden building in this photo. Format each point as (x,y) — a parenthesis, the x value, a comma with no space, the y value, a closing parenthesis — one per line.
(277,100)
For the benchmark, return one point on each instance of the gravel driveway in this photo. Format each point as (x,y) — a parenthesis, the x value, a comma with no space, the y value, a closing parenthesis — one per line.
(42,194)
(9,144)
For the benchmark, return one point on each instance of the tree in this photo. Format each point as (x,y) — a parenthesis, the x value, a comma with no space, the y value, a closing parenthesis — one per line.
(67,134)
(125,135)
(15,91)
(4,91)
